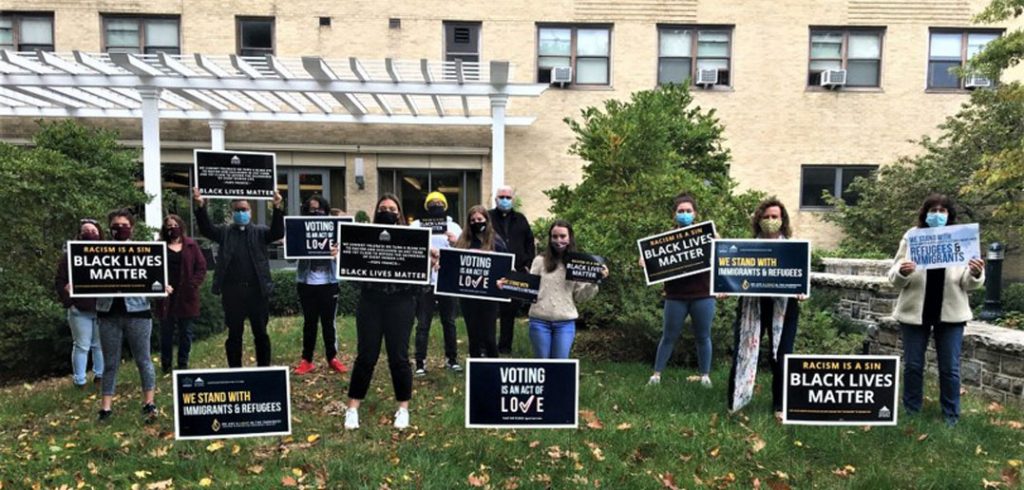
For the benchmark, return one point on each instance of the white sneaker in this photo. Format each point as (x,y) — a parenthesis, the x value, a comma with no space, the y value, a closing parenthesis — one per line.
(653,380)
(351,419)
(402,418)
(705,381)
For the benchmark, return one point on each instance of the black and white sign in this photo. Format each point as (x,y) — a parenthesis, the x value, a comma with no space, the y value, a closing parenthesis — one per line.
(381,253)
(522,393)
(584,267)
(761,267)
(117,269)
(677,253)
(236,174)
(222,403)
(311,237)
(841,390)
(472,273)
(522,286)
(437,226)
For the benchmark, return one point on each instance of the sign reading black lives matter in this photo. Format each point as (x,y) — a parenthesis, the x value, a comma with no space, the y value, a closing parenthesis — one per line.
(437,226)
(381,253)
(235,174)
(583,267)
(761,267)
(840,390)
(222,403)
(472,273)
(677,253)
(311,237)
(522,393)
(117,269)
(522,286)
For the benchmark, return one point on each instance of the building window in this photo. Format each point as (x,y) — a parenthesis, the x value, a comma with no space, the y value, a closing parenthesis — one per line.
(255,36)
(858,51)
(677,52)
(949,50)
(460,187)
(141,35)
(26,31)
(833,179)
(462,43)
(586,49)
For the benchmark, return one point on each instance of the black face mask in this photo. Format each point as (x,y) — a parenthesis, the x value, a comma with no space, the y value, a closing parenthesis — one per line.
(316,212)
(385,218)
(478,228)
(435,210)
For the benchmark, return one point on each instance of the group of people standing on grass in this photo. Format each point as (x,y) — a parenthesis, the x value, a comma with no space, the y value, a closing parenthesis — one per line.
(931,303)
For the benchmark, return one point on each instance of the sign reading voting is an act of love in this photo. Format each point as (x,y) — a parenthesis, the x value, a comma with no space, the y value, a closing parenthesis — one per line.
(583,267)
(311,237)
(761,267)
(221,403)
(382,253)
(235,174)
(117,269)
(677,253)
(943,246)
(522,286)
(840,390)
(522,393)
(472,273)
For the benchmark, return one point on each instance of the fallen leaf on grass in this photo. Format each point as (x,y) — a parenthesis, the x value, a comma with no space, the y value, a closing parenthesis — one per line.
(1011,477)
(554,452)
(591,419)
(845,471)
(313,438)
(624,426)
(215,446)
(994,407)
(297,472)
(715,451)
(235,449)
(480,480)
(288,481)
(990,484)
(534,444)
(512,483)
(205,482)
(756,443)
(668,481)
(922,437)
(142,474)
(978,451)
(255,469)
(159,485)
(596,451)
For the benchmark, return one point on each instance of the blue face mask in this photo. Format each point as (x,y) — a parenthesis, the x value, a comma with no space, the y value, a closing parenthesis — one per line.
(241,217)
(504,203)
(684,219)
(936,219)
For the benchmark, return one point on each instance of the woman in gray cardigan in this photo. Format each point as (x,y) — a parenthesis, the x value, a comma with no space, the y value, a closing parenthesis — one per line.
(933,302)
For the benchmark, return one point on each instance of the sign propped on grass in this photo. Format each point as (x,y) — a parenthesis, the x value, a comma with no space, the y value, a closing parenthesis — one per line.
(840,390)
(522,393)
(222,403)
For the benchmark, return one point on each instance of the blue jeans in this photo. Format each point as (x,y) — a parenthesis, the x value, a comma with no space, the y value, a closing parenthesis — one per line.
(948,340)
(552,340)
(702,312)
(85,334)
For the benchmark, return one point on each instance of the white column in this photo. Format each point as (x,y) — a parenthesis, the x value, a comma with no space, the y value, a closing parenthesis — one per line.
(217,134)
(498,103)
(151,155)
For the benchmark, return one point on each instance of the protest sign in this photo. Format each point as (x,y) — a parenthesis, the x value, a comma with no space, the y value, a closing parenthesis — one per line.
(761,267)
(381,253)
(222,403)
(521,285)
(472,273)
(235,174)
(583,267)
(311,237)
(677,253)
(943,246)
(437,226)
(840,390)
(522,393)
(117,269)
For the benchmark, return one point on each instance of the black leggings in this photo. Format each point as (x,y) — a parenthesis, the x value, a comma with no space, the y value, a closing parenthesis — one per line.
(319,303)
(481,317)
(387,318)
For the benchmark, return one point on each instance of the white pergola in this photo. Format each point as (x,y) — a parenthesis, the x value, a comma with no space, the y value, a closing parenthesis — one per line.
(219,89)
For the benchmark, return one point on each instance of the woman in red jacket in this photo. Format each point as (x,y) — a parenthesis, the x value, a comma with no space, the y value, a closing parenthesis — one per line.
(186,269)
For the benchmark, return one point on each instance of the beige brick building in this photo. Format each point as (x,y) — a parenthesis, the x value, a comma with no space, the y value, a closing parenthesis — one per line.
(788,135)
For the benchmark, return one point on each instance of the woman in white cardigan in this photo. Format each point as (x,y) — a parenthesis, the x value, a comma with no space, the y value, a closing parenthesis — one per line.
(933,301)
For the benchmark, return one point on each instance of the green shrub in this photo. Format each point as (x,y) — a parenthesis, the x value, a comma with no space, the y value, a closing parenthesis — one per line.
(285,300)
(822,331)
(1013,297)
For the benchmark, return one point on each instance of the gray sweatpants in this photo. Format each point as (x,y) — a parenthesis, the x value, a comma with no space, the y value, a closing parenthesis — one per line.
(113,331)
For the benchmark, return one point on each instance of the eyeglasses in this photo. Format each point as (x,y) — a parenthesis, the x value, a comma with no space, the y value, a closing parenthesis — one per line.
(505,197)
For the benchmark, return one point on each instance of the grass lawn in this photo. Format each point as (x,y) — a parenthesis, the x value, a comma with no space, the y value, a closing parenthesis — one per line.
(676,435)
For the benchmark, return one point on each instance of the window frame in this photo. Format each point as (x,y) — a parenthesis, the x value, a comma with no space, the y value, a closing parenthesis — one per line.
(964,35)
(837,182)
(141,20)
(695,30)
(17,16)
(844,55)
(476,28)
(573,57)
(241,19)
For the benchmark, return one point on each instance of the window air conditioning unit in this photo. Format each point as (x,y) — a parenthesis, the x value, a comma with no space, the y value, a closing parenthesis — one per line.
(977,81)
(707,77)
(561,75)
(833,78)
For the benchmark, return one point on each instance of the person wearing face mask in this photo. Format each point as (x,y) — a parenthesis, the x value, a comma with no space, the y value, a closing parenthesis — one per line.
(553,316)
(242,273)
(933,302)
(317,286)
(126,319)
(85,332)
(186,270)
(686,295)
(756,316)
(436,206)
(480,315)
(513,227)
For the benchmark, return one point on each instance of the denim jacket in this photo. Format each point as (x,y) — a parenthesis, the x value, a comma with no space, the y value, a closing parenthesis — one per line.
(305,265)
(131,303)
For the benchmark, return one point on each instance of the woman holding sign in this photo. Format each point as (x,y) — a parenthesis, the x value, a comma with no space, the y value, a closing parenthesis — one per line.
(756,315)
(186,269)
(686,295)
(553,316)
(481,316)
(933,302)
(85,332)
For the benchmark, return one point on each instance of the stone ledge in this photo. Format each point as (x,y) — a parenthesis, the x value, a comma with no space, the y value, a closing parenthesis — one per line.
(993,337)
(847,281)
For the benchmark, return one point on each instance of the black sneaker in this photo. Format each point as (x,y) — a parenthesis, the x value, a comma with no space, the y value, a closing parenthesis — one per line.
(421,369)
(105,415)
(454,366)
(149,411)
